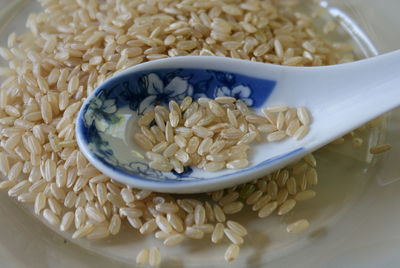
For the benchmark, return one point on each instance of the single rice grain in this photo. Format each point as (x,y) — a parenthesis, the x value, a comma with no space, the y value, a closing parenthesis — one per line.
(298,226)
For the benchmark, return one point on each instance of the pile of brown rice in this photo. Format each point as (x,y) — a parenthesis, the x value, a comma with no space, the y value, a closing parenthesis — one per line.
(213,134)
(73,46)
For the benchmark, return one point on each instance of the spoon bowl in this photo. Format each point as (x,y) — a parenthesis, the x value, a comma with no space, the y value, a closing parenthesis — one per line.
(340,98)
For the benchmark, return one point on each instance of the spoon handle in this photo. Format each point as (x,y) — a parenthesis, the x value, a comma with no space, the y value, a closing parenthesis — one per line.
(344,97)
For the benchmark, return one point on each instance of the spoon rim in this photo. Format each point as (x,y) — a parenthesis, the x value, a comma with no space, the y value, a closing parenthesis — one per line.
(253,171)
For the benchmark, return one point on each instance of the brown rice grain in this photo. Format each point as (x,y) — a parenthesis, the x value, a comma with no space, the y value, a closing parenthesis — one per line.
(305,195)
(126,195)
(231,253)
(254,197)
(225,100)
(194,233)
(291,186)
(4,164)
(160,147)
(130,212)
(237,228)
(217,146)
(167,207)
(193,119)
(266,210)
(4,185)
(229,198)
(276,136)
(175,221)
(298,226)
(256,119)
(115,224)
(286,206)
(146,131)
(46,111)
(176,163)
(19,188)
(218,233)
(80,217)
(282,196)
(202,132)
(15,171)
(156,157)
(184,132)
(293,126)
(237,164)
(185,206)
(161,235)
(267,128)
(301,132)
(186,102)
(143,141)
(206,227)
(199,214)
(247,138)
(233,208)
(142,194)
(380,149)
(173,240)
(171,150)
(136,223)
(204,146)
(209,212)
(40,202)
(214,166)
(70,199)
(99,232)
(158,133)
(66,221)
(143,256)
(192,145)
(277,108)
(161,166)
(207,120)
(148,227)
(233,237)
(95,214)
(50,217)
(169,132)
(312,176)
(163,224)
(261,202)
(303,115)
(174,118)
(357,142)
(154,257)
(147,117)
(219,213)
(83,231)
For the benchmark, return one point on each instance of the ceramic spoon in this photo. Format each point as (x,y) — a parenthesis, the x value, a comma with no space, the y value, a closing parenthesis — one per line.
(339,97)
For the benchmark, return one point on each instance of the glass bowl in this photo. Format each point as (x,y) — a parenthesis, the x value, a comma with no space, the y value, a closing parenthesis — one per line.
(353,219)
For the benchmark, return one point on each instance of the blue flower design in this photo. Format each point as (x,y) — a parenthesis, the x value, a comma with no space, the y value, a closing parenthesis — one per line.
(106,114)
(101,113)
(240,92)
(103,149)
(159,93)
(144,169)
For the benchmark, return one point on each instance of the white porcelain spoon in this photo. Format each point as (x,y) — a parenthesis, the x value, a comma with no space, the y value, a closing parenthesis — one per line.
(339,97)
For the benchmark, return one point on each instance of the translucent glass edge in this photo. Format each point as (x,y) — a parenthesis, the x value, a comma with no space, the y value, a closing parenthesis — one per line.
(9,11)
